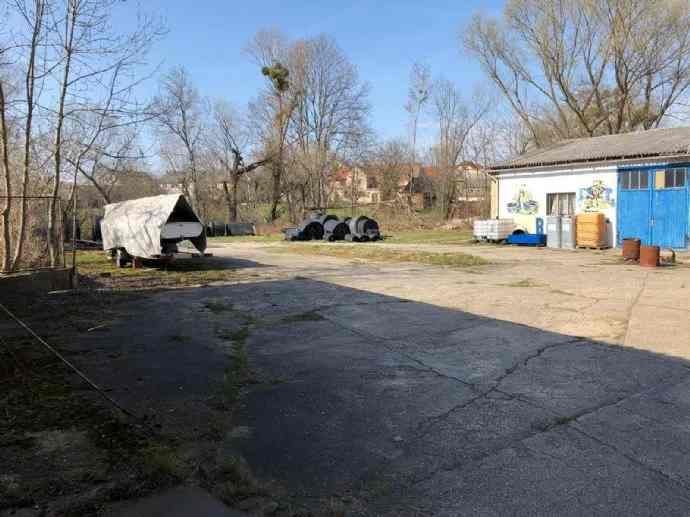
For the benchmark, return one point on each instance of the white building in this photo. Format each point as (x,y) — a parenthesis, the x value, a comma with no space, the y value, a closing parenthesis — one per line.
(638,180)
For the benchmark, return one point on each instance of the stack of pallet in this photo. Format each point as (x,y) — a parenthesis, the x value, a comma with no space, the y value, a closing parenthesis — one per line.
(591,231)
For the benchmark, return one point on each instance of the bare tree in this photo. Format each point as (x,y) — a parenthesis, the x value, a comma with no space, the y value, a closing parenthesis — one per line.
(582,67)
(274,108)
(230,145)
(181,115)
(455,120)
(7,184)
(102,163)
(390,163)
(417,97)
(89,57)
(330,121)
(77,73)
(32,16)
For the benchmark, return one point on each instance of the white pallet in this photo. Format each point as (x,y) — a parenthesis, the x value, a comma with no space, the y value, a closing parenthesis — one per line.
(493,229)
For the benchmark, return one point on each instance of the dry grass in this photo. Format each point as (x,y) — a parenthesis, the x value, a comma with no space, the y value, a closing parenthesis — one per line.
(268,237)
(379,253)
(438,236)
(461,236)
(97,267)
(525,282)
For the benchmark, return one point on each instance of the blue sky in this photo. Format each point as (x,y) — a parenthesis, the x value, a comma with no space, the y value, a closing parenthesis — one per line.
(382,38)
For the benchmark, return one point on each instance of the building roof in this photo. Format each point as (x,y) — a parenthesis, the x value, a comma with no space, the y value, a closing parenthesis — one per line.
(669,142)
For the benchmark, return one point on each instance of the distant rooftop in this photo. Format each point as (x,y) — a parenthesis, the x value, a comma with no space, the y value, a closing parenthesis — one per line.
(669,142)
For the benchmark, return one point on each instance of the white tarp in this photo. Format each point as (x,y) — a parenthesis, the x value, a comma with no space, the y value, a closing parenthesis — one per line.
(136,225)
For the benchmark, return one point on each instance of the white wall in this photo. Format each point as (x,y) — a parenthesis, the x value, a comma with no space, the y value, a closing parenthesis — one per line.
(540,183)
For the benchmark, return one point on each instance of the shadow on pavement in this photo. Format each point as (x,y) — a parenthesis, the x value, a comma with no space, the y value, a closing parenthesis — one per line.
(412,408)
(388,406)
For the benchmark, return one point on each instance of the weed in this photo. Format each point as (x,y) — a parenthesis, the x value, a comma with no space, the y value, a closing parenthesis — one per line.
(305,316)
(237,373)
(238,482)
(270,237)
(525,282)
(379,253)
(217,306)
(97,268)
(431,237)
(160,461)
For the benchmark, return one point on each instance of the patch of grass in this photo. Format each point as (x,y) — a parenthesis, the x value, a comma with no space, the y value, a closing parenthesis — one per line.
(378,253)
(305,316)
(237,481)
(161,461)
(270,237)
(217,306)
(462,236)
(237,373)
(525,282)
(564,293)
(99,269)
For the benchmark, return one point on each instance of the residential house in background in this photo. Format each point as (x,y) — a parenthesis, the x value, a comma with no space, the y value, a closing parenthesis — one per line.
(171,184)
(355,184)
(421,187)
(472,184)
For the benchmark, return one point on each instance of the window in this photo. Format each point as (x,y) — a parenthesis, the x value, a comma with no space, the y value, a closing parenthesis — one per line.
(634,180)
(562,203)
(674,178)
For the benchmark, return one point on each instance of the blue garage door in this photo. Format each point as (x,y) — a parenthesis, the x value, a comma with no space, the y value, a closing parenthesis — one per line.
(653,206)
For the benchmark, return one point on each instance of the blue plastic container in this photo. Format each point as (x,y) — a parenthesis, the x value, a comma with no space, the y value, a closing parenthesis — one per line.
(527,239)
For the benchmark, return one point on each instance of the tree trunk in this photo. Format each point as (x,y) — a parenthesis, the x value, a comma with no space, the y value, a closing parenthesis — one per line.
(275,195)
(30,82)
(5,214)
(57,151)
(235,185)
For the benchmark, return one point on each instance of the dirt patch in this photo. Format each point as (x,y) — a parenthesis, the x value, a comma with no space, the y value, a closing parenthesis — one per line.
(64,450)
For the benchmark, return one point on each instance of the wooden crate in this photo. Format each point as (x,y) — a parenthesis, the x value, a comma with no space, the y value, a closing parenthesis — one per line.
(591,230)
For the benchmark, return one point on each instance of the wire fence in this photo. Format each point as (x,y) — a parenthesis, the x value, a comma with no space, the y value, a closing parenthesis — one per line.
(27,242)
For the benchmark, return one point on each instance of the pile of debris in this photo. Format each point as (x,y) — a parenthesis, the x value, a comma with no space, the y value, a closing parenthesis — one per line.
(329,228)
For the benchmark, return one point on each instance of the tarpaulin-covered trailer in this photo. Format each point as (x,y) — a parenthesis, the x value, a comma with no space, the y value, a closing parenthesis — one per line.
(151,227)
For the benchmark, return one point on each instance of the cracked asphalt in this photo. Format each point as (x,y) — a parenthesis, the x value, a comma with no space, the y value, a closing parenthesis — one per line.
(403,407)
(400,389)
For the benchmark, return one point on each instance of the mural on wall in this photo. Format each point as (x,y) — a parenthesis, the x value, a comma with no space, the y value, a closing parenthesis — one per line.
(522,203)
(596,197)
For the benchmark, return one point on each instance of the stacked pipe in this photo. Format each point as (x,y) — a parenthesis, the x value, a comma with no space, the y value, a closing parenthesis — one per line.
(330,228)
(362,229)
(335,230)
(310,229)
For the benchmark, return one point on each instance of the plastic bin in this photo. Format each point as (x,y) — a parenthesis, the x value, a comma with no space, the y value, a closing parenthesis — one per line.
(553,231)
(568,232)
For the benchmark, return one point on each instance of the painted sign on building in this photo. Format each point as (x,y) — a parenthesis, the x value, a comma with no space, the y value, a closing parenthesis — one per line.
(595,198)
(523,203)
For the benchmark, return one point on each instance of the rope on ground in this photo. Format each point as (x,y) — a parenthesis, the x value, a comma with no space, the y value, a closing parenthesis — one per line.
(68,363)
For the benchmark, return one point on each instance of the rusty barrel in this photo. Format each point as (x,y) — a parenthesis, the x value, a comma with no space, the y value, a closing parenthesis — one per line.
(631,249)
(649,256)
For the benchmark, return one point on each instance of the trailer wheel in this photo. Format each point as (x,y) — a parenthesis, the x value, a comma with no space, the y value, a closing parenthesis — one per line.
(121,258)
